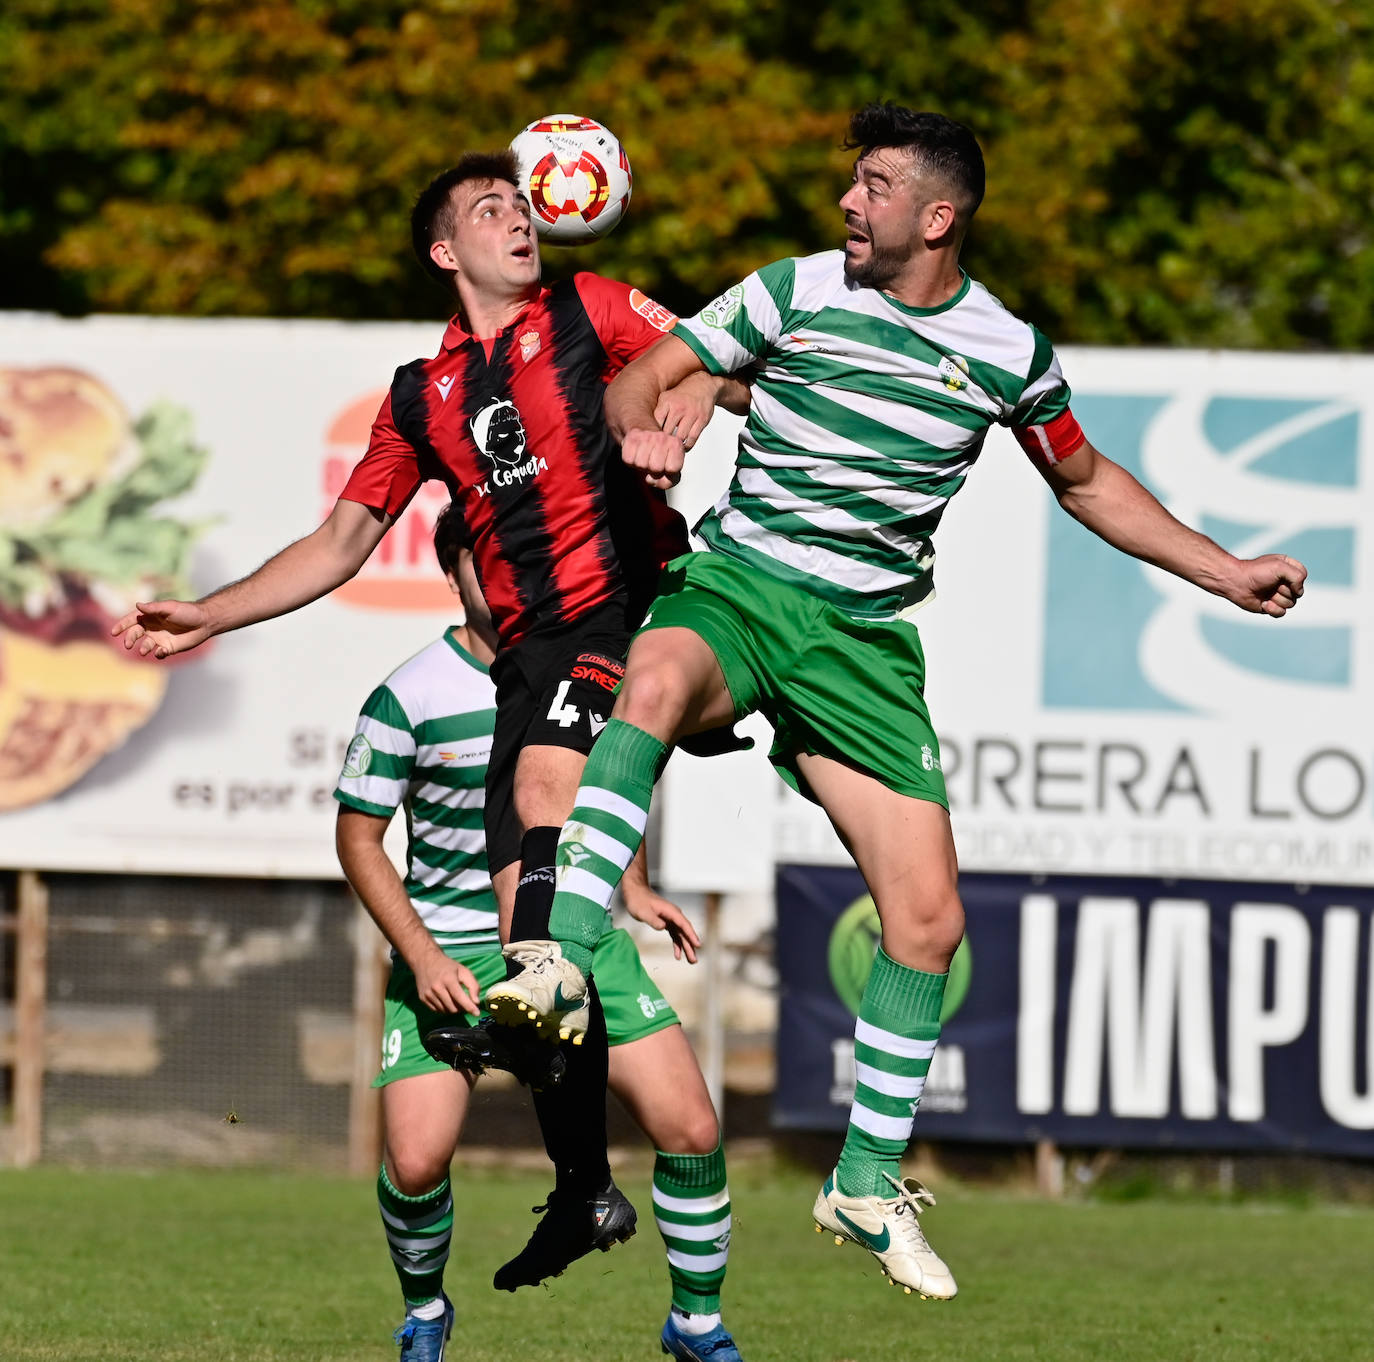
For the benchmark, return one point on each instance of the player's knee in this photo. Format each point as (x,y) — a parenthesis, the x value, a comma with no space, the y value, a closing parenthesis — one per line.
(653,695)
(697,1132)
(924,931)
(413,1172)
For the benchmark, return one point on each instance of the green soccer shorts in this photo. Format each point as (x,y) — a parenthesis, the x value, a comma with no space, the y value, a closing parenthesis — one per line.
(830,684)
(633,1003)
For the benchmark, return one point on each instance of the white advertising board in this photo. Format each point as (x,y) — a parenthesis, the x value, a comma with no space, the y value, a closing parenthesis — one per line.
(231,771)
(1095,714)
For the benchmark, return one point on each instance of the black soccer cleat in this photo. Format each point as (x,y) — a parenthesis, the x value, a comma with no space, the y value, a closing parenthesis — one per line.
(485,1045)
(572,1226)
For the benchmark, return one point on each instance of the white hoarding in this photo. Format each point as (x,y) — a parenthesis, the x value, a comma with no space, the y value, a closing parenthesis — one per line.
(1096,715)
(1100,716)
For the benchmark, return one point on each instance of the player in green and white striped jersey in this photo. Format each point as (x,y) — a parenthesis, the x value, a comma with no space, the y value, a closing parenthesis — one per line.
(422,744)
(880,369)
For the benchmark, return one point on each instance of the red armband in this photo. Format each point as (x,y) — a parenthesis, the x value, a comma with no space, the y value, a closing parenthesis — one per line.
(1052,442)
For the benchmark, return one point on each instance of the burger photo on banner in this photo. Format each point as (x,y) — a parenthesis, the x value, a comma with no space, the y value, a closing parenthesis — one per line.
(80,543)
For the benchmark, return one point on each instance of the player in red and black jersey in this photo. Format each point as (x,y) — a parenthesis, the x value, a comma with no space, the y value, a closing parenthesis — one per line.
(567,546)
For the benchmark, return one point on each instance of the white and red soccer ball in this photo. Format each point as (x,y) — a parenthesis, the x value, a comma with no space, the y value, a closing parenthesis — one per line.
(576,175)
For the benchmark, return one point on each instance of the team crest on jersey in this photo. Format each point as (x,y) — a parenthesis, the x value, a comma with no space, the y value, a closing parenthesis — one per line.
(653,313)
(724,309)
(954,371)
(529,345)
(358,758)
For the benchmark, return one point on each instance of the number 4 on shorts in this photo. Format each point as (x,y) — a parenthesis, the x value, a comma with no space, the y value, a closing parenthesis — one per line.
(565,714)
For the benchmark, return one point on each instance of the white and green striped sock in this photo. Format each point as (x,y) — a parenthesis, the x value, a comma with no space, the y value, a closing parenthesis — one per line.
(419,1230)
(894,1039)
(601,836)
(692,1211)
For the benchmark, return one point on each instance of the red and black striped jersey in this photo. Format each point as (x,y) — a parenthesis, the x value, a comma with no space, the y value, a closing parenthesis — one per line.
(514,426)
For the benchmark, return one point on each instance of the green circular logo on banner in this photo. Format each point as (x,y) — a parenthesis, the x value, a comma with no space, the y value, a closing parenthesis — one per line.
(854,944)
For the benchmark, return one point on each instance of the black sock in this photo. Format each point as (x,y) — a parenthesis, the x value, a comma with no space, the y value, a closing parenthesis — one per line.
(534,892)
(572,1114)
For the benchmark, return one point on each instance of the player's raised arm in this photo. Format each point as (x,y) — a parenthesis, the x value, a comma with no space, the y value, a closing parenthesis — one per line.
(632,401)
(302,572)
(1104,497)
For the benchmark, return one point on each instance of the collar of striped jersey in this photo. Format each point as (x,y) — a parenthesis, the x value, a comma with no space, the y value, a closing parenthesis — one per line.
(463,652)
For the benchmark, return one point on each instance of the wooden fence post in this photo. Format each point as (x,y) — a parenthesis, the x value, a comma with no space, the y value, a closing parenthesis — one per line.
(369,1008)
(30,997)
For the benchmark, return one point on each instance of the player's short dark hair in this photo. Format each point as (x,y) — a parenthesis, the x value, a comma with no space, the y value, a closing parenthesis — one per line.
(941,146)
(451,537)
(432,217)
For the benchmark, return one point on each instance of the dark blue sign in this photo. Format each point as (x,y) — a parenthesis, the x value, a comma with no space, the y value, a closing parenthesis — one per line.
(1189,1014)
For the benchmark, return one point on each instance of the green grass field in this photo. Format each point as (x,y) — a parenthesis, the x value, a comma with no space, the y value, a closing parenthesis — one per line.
(252,1267)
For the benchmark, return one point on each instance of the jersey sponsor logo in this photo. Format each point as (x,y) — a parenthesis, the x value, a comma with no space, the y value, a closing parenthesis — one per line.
(499,433)
(529,345)
(444,385)
(929,761)
(654,313)
(724,309)
(358,758)
(651,1007)
(954,372)
(601,660)
(604,679)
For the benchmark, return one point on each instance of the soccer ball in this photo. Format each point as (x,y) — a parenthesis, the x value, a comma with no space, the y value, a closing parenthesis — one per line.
(576,176)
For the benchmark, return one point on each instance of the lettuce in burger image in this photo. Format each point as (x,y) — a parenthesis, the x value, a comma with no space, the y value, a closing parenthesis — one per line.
(80,542)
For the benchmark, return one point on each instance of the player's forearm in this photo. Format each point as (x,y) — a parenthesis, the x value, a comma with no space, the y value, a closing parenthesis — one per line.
(634,884)
(632,397)
(733,395)
(1119,510)
(368,869)
(302,572)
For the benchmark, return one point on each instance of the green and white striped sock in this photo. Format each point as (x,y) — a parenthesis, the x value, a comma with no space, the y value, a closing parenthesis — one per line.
(419,1230)
(692,1210)
(601,836)
(894,1038)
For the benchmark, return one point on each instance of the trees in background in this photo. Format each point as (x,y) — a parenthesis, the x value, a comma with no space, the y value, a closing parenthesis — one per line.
(1177,172)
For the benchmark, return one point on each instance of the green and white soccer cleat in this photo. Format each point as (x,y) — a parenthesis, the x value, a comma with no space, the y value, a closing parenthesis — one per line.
(549,993)
(889,1228)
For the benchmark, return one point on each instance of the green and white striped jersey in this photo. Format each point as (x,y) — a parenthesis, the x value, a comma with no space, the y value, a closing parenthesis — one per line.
(422,742)
(866,417)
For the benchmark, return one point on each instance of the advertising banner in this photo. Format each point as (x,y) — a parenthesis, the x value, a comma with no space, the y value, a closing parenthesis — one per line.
(1097,715)
(1104,1011)
(133,444)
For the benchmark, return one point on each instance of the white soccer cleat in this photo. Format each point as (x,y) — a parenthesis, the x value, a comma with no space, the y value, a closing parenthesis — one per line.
(890,1230)
(549,993)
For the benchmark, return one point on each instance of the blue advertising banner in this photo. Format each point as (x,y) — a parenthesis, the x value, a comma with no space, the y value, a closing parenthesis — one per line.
(1188,1014)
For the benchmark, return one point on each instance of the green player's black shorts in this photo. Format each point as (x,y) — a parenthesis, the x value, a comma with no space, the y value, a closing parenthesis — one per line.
(633,1004)
(830,684)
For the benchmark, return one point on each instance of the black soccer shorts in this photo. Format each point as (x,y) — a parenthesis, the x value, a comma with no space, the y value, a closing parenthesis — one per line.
(552,690)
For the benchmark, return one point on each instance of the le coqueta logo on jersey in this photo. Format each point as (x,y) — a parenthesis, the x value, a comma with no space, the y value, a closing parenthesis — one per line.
(499,433)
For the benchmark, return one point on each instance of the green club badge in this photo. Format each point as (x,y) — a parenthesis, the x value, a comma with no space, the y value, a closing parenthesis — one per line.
(854,943)
(358,758)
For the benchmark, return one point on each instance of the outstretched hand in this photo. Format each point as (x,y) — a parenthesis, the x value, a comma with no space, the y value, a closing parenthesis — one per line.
(1270,585)
(665,916)
(161,628)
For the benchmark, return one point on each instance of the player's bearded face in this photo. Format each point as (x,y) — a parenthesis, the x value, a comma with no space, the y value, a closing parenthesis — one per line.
(880,214)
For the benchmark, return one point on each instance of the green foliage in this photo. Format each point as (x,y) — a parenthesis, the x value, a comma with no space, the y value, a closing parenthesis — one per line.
(1176,172)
